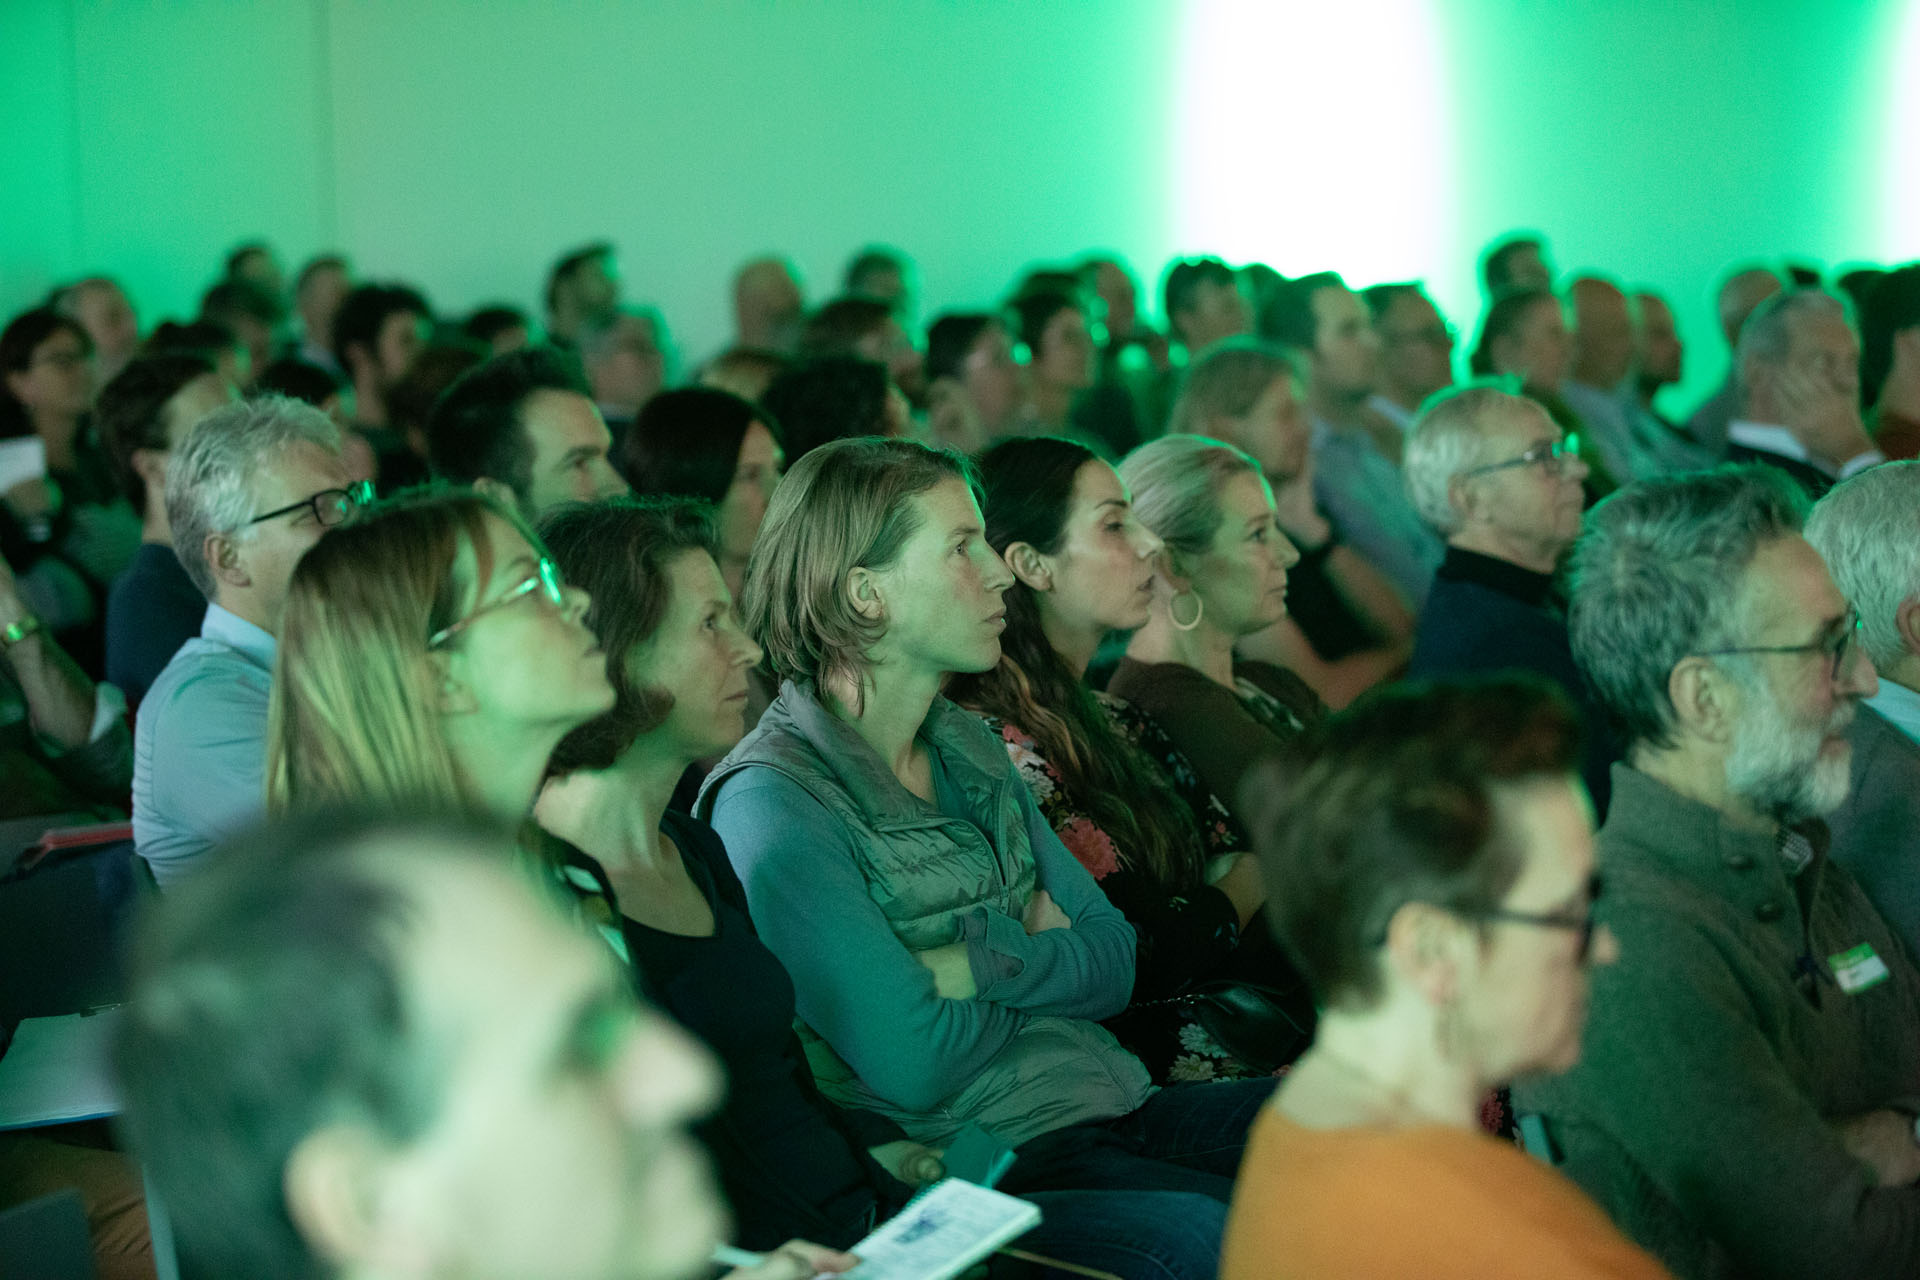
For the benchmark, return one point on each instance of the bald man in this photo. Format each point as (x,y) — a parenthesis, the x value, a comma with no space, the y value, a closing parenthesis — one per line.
(1602,360)
(767,305)
(1743,290)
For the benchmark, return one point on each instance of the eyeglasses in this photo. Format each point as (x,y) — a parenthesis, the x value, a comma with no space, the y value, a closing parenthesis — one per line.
(1582,924)
(1559,453)
(545,579)
(1839,647)
(330,507)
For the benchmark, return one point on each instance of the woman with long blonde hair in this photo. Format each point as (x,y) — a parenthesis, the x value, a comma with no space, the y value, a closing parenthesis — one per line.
(429,658)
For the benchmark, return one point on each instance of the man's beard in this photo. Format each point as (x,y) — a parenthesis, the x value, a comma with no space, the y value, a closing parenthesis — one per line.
(1778,767)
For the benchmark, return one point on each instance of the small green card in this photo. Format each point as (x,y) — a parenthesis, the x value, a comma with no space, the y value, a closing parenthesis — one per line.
(1858,968)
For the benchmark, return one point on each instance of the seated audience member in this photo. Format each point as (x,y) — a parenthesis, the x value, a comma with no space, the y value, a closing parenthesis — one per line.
(255,265)
(1136,357)
(625,366)
(975,386)
(1494,476)
(410,407)
(370,1048)
(1119,795)
(884,275)
(1416,350)
(430,659)
(1346,628)
(208,339)
(1740,293)
(1658,354)
(583,286)
(700,443)
(791,1163)
(523,427)
(768,306)
(745,371)
(498,329)
(1356,451)
(1890,361)
(1740,1103)
(1865,529)
(1516,262)
(1061,371)
(1204,304)
(870,329)
(64,742)
(1222,577)
(1597,372)
(322,285)
(1799,400)
(309,383)
(100,306)
(1857,285)
(249,489)
(154,607)
(834,398)
(1432,867)
(378,332)
(253,314)
(949,956)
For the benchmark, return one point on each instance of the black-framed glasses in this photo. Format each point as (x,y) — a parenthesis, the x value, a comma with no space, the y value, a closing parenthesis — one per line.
(330,507)
(1557,453)
(545,579)
(1583,924)
(1838,648)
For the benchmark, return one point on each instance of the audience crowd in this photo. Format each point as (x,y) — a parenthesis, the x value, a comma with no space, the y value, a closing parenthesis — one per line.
(1309,816)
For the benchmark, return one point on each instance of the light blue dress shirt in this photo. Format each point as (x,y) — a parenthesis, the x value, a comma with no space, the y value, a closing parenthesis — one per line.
(1899,705)
(200,745)
(1360,490)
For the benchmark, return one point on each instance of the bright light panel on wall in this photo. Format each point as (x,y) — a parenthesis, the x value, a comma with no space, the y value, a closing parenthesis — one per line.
(1315,135)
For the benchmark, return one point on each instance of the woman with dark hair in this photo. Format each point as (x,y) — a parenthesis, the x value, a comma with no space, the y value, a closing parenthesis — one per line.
(1119,795)
(659,883)
(698,442)
(950,958)
(975,386)
(834,398)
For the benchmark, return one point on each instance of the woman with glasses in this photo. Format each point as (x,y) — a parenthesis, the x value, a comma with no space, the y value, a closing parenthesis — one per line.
(1221,579)
(1436,850)
(429,658)
(1495,477)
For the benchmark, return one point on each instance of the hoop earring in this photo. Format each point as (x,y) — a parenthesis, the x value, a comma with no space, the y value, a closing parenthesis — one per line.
(1200,610)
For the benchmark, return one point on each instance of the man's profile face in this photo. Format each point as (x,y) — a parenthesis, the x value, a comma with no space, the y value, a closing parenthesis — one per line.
(1346,351)
(569,440)
(559,1147)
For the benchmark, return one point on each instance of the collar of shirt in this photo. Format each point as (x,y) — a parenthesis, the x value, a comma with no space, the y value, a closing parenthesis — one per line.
(238,634)
(1504,576)
(1767,438)
(1392,411)
(1900,705)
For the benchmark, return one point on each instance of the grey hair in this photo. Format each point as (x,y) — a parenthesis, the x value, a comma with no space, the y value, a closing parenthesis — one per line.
(1868,531)
(1658,575)
(210,478)
(1449,437)
(1225,382)
(1176,483)
(1767,336)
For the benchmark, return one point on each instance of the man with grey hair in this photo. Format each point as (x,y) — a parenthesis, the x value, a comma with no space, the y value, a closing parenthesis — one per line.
(1799,370)
(1741,1106)
(249,489)
(1494,476)
(1742,291)
(1868,530)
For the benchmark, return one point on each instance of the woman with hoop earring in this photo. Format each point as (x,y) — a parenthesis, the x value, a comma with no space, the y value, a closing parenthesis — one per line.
(1222,577)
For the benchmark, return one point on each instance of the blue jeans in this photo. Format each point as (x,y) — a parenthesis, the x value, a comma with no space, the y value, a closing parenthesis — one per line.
(1143,1196)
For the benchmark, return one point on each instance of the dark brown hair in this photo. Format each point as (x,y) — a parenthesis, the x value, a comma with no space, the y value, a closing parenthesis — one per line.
(1392,802)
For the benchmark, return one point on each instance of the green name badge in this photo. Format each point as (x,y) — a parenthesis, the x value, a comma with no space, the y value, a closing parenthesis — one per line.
(1858,969)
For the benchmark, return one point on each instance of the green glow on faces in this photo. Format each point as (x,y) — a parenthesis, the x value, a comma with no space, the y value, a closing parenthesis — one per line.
(1315,136)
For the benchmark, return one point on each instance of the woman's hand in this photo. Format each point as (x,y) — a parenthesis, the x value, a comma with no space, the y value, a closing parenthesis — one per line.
(1043,914)
(952,971)
(910,1162)
(1244,886)
(797,1260)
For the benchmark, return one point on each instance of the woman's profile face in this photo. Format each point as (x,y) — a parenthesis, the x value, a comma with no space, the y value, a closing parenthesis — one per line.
(700,655)
(528,661)
(1275,430)
(756,474)
(992,377)
(1541,349)
(1065,354)
(1242,578)
(1526,1005)
(940,601)
(1102,571)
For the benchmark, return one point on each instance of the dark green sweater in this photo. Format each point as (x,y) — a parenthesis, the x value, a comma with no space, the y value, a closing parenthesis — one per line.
(1721,1049)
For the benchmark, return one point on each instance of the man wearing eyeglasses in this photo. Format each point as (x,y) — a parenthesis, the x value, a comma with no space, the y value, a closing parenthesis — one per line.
(1416,350)
(1493,475)
(1744,1102)
(249,489)
(1868,531)
(1799,364)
